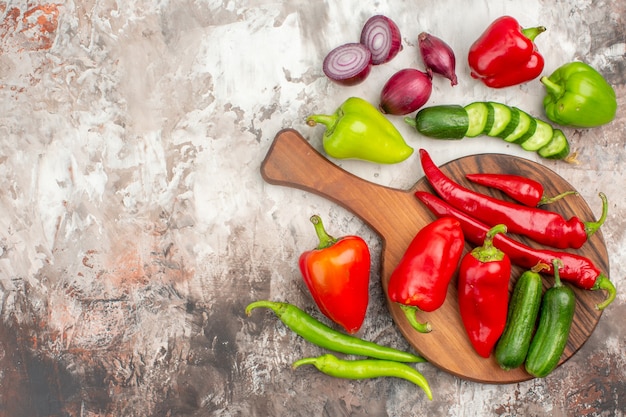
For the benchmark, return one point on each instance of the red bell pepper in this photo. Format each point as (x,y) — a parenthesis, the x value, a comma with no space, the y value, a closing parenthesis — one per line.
(421,278)
(337,274)
(545,227)
(483,284)
(505,55)
(575,268)
(521,189)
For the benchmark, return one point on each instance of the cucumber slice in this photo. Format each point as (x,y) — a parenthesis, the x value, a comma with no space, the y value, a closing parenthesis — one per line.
(501,118)
(525,127)
(557,148)
(478,113)
(541,137)
(515,118)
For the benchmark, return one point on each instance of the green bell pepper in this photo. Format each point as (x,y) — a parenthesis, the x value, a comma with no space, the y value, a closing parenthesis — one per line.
(578,96)
(359,130)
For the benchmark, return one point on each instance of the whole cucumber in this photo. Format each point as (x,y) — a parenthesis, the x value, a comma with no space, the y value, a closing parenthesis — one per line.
(451,121)
(555,321)
(513,345)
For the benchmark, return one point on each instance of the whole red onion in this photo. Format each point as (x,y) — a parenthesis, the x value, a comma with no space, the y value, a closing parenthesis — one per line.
(437,56)
(406,91)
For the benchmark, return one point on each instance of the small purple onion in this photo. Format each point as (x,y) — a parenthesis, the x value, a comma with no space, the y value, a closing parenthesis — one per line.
(382,37)
(406,91)
(437,56)
(348,64)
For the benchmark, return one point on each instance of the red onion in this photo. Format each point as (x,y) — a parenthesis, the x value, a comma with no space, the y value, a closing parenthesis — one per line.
(406,91)
(348,64)
(438,56)
(382,37)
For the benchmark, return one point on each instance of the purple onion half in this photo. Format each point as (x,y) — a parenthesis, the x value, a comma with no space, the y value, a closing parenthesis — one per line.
(382,37)
(348,64)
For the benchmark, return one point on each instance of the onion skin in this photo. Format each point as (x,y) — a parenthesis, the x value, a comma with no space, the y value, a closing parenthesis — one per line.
(381,29)
(348,64)
(406,91)
(438,56)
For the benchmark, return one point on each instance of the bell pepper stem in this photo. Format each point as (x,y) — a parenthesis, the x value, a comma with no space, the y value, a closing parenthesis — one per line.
(325,239)
(531,33)
(409,312)
(549,200)
(553,88)
(603,283)
(592,227)
(488,252)
(328,120)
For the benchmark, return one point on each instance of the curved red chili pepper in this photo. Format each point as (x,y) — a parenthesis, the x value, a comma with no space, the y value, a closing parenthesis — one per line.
(521,189)
(545,227)
(483,285)
(576,269)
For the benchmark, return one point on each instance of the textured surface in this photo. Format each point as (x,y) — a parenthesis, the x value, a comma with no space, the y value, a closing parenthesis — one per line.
(136,227)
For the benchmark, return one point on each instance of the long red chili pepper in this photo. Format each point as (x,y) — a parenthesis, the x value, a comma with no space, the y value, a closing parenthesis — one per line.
(521,189)
(576,269)
(545,227)
(483,285)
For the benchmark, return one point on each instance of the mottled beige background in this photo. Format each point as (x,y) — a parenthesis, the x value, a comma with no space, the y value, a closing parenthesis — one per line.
(135,225)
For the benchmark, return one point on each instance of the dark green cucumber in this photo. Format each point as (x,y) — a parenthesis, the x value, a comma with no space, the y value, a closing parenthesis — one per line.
(555,321)
(441,122)
(492,119)
(513,345)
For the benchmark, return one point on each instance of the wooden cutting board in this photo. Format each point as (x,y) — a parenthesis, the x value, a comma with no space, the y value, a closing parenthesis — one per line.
(396,216)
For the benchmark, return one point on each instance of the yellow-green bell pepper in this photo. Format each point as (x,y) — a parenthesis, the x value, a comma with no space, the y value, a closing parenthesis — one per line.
(577,95)
(358,130)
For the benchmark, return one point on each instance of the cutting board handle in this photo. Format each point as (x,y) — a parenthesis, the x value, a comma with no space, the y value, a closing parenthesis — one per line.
(292,161)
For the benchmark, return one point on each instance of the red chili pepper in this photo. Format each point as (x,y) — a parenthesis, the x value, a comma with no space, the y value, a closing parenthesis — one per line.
(522,189)
(576,269)
(484,277)
(421,278)
(337,275)
(545,227)
(505,54)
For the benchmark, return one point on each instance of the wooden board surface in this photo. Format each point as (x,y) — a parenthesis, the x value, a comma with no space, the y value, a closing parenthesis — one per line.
(396,215)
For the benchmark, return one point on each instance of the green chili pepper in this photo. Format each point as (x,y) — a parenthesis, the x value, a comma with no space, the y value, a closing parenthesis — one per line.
(360,131)
(578,96)
(366,368)
(323,336)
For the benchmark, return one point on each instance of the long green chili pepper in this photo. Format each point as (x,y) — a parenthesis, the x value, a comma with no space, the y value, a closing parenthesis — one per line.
(366,368)
(323,336)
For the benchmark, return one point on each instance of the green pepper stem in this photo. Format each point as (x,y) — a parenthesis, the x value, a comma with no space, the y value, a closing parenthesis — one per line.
(592,227)
(553,88)
(328,120)
(326,240)
(556,263)
(409,312)
(603,283)
(276,307)
(305,361)
(488,252)
(549,200)
(531,33)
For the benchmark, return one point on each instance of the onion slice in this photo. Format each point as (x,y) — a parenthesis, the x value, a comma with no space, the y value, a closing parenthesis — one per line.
(348,64)
(406,91)
(382,37)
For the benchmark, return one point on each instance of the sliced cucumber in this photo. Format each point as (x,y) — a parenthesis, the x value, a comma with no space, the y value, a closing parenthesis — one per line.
(539,139)
(557,148)
(513,123)
(525,127)
(479,114)
(501,118)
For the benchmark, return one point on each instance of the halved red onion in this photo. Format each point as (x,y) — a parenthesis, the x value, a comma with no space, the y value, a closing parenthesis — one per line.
(437,56)
(382,37)
(406,91)
(348,64)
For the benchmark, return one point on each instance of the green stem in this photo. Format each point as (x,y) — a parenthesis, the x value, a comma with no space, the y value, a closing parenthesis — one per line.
(556,263)
(487,252)
(326,240)
(603,283)
(553,88)
(549,200)
(531,33)
(592,227)
(411,121)
(409,312)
